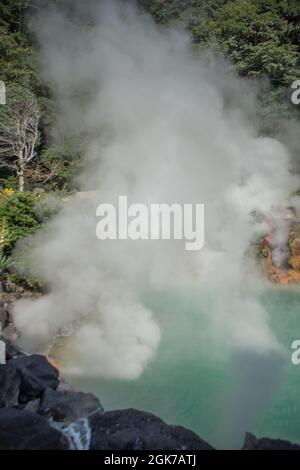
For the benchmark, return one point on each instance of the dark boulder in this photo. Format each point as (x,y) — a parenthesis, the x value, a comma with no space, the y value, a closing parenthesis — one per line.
(137,430)
(22,430)
(31,406)
(253,443)
(10,382)
(36,374)
(68,405)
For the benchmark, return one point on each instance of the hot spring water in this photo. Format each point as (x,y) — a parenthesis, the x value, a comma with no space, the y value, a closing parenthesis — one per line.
(192,381)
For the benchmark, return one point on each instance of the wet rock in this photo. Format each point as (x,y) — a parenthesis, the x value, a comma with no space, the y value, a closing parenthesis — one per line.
(68,405)
(10,382)
(253,443)
(12,352)
(137,430)
(22,430)
(36,374)
(32,405)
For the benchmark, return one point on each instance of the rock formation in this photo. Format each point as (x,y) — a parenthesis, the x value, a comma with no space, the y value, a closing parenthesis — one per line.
(287,271)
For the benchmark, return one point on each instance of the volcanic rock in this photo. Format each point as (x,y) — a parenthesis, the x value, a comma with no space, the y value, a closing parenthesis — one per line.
(22,430)
(36,374)
(253,443)
(136,430)
(10,382)
(68,405)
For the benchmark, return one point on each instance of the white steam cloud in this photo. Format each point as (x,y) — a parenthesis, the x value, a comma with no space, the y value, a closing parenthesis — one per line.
(165,125)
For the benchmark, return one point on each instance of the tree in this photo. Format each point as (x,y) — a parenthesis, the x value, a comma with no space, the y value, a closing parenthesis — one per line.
(257,38)
(260,36)
(60,162)
(17,63)
(19,131)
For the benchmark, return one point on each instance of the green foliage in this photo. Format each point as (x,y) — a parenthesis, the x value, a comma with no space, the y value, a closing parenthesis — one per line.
(5,262)
(165,11)
(28,283)
(19,213)
(275,111)
(257,41)
(22,215)
(17,64)
(61,160)
(9,182)
(261,37)
(16,60)
(20,101)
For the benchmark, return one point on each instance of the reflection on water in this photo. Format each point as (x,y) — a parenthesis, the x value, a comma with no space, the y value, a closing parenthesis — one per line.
(192,378)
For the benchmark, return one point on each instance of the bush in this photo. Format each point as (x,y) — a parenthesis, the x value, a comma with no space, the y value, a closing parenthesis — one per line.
(5,262)
(26,282)
(62,162)
(21,214)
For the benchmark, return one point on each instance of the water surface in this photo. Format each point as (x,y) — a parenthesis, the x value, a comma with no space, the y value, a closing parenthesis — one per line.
(192,382)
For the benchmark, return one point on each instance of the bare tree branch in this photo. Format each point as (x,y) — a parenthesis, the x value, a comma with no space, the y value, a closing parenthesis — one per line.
(19,133)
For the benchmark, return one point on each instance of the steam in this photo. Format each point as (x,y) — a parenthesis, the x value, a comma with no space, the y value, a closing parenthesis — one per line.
(256,377)
(165,125)
(279,234)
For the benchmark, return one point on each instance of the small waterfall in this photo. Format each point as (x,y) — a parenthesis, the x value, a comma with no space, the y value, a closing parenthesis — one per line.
(78,433)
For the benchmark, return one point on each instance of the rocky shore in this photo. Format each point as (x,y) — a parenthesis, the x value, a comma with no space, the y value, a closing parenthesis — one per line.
(38,411)
(280,256)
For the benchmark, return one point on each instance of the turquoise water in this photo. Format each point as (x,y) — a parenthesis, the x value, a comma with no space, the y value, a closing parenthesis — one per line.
(193,381)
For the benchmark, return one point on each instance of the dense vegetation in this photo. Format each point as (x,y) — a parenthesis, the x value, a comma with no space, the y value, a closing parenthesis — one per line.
(260,37)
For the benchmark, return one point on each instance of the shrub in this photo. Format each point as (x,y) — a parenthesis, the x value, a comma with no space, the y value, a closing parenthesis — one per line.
(5,262)
(21,214)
